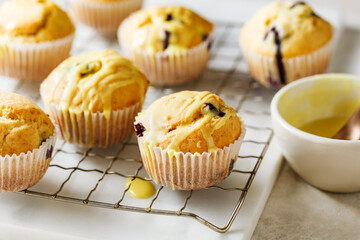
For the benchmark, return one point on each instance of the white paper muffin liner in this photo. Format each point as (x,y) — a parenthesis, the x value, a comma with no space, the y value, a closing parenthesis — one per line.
(95,130)
(187,171)
(167,69)
(33,61)
(105,17)
(18,172)
(265,71)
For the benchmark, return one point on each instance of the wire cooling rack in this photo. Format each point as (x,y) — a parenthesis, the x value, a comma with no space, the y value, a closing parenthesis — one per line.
(96,177)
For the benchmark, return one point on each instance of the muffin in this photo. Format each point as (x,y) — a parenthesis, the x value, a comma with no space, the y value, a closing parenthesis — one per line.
(35,36)
(189,140)
(27,138)
(171,45)
(286,41)
(103,15)
(94,97)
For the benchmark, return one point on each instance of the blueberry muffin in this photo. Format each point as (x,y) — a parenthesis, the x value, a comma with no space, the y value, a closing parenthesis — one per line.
(189,140)
(27,137)
(94,97)
(170,44)
(285,41)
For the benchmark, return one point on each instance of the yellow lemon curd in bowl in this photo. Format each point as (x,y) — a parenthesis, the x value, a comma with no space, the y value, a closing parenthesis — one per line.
(323,108)
(320,105)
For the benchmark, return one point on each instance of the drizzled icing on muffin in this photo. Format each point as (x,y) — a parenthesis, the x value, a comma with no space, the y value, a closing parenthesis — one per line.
(92,77)
(169,29)
(187,121)
(171,119)
(88,83)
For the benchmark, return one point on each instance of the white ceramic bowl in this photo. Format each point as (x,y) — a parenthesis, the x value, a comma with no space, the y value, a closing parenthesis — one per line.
(329,164)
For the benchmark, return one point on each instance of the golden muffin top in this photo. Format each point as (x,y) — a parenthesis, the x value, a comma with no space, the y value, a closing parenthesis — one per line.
(293,25)
(169,29)
(33,21)
(188,121)
(95,82)
(23,125)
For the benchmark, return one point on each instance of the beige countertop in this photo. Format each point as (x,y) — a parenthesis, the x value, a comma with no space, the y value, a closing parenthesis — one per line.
(297,210)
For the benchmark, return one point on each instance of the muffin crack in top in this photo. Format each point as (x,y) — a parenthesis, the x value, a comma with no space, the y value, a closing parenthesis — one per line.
(33,21)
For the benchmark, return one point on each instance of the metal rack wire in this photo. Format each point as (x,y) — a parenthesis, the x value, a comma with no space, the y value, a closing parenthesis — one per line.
(225,76)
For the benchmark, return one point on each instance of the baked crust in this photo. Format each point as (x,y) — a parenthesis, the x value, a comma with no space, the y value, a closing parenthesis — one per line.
(23,125)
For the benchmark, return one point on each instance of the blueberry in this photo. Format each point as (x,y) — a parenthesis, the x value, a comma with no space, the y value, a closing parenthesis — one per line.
(211,107)
(140,129)
(204,36)
(215,110)
(209,45)
(169,17)
(166,41)
(278,55)
(231,166)
(49,152)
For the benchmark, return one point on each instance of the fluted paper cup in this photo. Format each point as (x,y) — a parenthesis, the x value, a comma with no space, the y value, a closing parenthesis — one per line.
(94,129)
(163,68)
(18,172)
(187,171)
(105,17)
(33,61)
(265,71)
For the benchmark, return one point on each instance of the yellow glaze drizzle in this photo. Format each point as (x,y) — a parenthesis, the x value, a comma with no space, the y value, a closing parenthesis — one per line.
(140,188)
(326,127)
(169,29)
(174,117)
(87,83)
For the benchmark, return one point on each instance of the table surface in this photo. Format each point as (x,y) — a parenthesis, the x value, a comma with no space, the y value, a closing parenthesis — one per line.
(295,209)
